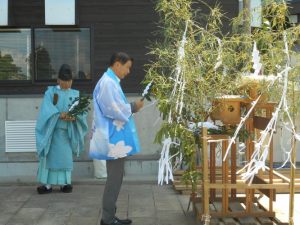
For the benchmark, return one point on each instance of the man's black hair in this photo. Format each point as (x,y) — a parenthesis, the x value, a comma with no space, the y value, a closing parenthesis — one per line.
(65,72)
(121,57)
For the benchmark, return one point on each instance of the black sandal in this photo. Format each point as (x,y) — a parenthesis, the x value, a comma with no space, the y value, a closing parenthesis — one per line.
(43,190)
(66,188)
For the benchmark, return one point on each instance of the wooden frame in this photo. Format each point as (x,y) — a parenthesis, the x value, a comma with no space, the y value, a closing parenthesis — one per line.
(230,203)
(213,206)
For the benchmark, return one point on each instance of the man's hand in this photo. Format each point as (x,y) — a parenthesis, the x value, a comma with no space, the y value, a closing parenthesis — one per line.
(64,116)
(139,104)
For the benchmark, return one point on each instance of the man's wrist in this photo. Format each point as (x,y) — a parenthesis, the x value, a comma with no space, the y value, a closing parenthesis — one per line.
(133,107)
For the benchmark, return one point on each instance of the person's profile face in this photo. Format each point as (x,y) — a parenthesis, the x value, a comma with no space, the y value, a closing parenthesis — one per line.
(124,69)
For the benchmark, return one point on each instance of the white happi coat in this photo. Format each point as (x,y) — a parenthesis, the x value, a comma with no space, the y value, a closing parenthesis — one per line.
(113,131)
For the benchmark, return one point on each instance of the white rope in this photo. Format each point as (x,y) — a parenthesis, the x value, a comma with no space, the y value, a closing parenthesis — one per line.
(288,153)
(239,127)
(261,150)
(257,67)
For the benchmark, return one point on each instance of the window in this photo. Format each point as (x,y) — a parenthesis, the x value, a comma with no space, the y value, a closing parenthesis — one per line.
(293,19)
(256,12)
(15,49)
(60,12)
(54,47)
(3,12)
(51,48)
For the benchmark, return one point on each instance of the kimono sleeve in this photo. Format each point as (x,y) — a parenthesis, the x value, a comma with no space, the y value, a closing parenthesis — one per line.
(77,131)
(112,102)
(46,123)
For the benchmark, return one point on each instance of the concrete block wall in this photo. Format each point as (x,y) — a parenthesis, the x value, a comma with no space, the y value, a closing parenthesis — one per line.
(22,166)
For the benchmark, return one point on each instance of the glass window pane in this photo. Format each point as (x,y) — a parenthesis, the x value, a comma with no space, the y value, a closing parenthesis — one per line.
(3,12)
(54,47)
(15,54)
(256,11)
(60,12)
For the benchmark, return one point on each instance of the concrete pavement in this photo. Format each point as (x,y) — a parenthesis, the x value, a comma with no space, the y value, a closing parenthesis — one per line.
(144,202)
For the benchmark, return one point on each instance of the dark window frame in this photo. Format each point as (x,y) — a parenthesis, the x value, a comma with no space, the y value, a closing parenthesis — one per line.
(66,28)
(9,82)
(34,86)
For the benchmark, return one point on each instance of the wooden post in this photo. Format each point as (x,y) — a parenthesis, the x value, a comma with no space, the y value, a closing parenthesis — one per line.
(249,152)
(292,169)
(205,180)
(233,170)
(224,178)
(212,168)
(271,159)
(292,183)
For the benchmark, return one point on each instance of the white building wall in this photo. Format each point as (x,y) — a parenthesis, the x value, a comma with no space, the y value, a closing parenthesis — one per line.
(20,165)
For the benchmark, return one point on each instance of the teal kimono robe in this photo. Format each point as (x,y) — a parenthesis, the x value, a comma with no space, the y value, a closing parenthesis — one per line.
(113,131)
(58,140)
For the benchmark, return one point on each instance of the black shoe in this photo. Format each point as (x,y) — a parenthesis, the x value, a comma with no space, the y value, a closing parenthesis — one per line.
(114,222)
(66,188)
(43,190)
(125,221)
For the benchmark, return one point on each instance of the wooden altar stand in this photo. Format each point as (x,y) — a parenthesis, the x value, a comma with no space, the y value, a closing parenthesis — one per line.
(219,202)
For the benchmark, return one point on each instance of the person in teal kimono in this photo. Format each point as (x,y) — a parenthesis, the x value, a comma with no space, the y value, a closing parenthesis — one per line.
(58,136)
(114,136)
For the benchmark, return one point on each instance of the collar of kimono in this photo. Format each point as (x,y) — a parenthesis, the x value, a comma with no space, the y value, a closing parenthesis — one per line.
(112,74)
(59,88)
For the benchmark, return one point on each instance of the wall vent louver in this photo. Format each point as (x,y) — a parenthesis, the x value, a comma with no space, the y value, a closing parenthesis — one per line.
(20,136)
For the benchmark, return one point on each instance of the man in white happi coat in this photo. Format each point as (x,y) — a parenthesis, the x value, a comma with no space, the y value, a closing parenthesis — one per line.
(114,135)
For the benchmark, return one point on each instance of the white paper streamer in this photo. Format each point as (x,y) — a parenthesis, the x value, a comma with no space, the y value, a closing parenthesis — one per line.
(146,90)
(261,149)
(73,105)
(165,172)
(241,124)
(256,60)
(208,125)
(165,169)
(219,58)
(180,56)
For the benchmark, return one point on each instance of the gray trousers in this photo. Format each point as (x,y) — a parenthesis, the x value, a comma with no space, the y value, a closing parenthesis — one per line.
(115,172)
